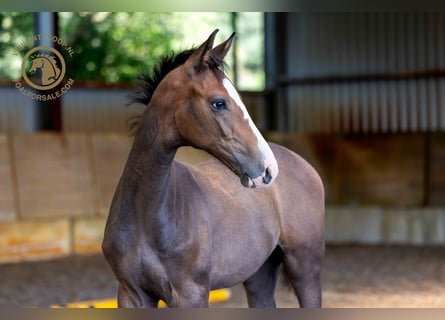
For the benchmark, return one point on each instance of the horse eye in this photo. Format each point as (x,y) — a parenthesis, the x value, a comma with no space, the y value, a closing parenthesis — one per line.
(219,105)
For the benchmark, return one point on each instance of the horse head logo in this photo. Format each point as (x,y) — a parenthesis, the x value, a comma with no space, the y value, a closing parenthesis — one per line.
(49,71)
(46,65)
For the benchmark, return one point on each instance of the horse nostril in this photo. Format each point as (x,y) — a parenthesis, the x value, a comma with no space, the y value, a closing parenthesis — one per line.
(245,180)
(268,177)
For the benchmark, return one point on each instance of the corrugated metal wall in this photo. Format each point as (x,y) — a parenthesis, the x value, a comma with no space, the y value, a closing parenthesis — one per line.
(97,110)
(83,109)
(17,113)
(364,72)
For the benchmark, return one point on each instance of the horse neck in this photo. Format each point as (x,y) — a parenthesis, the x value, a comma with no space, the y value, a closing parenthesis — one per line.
(149,164)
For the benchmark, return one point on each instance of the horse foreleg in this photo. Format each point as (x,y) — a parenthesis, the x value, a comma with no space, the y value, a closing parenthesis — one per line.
(189,295)
(302,267)
(133,298)
(260,287)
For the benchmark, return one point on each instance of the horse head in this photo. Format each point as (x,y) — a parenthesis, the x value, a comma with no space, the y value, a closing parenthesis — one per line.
(37,63)
(209,114)
(48,65)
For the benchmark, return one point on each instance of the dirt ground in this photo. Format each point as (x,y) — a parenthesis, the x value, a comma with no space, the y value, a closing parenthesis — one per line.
(353,276)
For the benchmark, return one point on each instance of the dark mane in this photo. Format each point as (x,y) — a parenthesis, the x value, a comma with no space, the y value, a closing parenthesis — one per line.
(147,83)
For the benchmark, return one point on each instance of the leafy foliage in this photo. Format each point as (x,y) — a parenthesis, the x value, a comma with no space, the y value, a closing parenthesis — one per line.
(16,28)
(111,47)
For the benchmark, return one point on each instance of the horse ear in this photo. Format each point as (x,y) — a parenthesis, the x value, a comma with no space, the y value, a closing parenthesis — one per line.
(197,58)
(218,53)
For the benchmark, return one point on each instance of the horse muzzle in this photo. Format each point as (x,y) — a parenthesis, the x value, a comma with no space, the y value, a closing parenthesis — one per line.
(262,181)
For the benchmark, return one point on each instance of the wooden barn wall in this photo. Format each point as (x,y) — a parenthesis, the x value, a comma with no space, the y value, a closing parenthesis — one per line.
(361,72)
(405,170)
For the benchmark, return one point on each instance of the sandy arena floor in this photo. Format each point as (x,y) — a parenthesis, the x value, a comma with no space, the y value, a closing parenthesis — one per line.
(354,276)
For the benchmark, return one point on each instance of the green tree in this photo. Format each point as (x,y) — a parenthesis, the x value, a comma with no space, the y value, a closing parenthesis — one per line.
(112,47)
(16,28)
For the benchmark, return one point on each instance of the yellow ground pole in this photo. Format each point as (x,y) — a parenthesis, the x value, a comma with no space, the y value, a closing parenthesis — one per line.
(215,296)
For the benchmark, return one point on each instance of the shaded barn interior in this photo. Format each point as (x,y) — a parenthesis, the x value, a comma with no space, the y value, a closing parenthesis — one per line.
(362,95)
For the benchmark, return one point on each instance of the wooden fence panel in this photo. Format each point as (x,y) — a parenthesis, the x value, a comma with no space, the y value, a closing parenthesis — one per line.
(383,170)
(7,206)
(53,175)
(436,177)
(109,153)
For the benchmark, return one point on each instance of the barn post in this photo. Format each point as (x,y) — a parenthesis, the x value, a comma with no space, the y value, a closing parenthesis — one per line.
(275,61)
(48,113)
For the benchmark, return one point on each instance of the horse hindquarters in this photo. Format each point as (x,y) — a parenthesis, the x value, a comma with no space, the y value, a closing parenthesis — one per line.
(302,264)
(260,287)
(302,270)
(302,227)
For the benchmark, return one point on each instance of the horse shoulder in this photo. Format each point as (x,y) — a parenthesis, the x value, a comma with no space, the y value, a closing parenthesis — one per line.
(210,174)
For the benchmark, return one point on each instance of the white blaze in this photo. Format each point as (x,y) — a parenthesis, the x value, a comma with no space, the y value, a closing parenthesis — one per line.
(269,158)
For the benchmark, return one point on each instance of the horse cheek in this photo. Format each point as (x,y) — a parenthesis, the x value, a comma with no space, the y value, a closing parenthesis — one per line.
(185,122)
